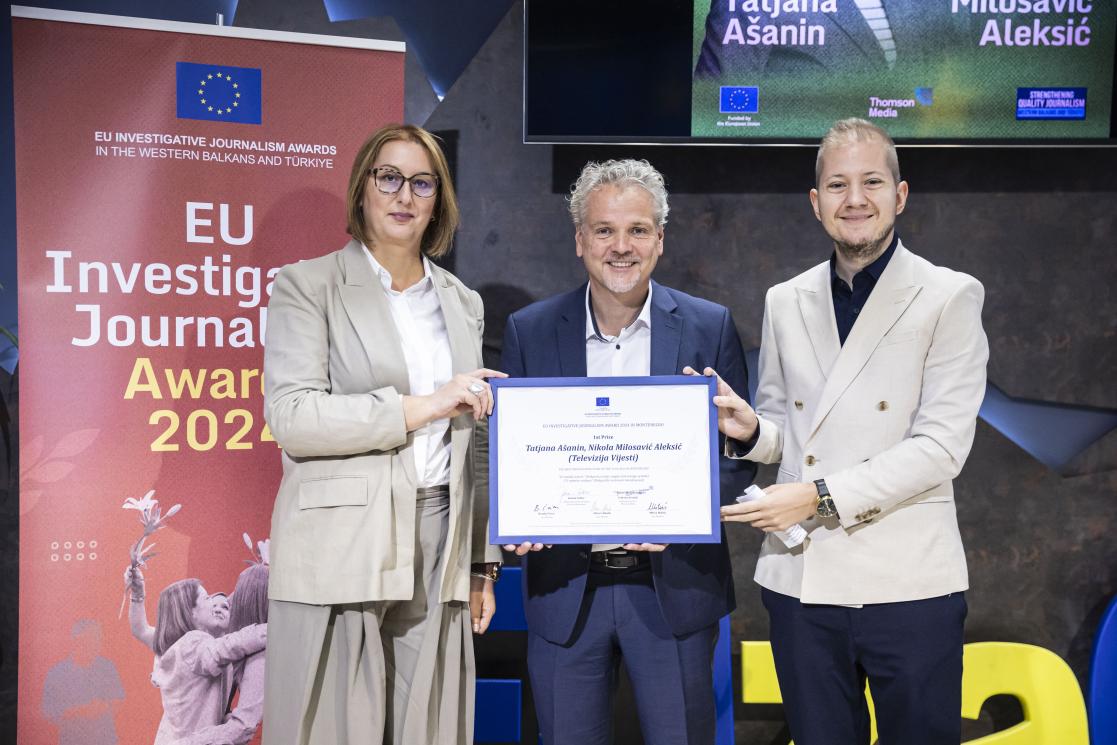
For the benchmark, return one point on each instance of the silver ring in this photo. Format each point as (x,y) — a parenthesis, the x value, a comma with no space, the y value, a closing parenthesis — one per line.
(476,389)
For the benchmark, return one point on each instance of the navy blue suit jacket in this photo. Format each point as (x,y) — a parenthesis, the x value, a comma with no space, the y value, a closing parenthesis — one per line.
(693,582)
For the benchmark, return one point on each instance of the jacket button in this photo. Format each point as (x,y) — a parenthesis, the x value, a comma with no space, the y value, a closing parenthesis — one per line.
(882,406)
(810,461)
(799,405)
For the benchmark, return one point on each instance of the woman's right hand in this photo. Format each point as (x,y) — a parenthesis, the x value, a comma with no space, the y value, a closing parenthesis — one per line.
(465,392)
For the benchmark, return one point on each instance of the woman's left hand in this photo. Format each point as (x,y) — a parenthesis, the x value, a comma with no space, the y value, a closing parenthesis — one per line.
(482,603)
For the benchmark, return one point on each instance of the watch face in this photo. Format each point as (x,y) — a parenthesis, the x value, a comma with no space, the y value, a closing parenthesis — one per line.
(826,507)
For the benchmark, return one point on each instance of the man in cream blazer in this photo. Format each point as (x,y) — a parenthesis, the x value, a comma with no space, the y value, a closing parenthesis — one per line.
(872,370)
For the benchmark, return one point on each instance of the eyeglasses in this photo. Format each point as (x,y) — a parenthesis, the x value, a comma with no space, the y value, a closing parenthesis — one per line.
(390,181)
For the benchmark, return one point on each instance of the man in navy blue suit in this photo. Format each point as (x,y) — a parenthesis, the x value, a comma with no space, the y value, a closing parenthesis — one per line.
(656,606)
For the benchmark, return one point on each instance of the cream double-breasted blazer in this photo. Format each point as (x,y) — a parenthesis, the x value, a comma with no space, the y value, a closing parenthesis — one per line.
(343,527)
(887,419)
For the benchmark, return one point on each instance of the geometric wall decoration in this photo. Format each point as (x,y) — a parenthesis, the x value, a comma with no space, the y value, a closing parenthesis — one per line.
(443,36)
(1054,434)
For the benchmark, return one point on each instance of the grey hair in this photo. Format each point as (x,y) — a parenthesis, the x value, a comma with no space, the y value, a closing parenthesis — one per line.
(621,173)
(847,131)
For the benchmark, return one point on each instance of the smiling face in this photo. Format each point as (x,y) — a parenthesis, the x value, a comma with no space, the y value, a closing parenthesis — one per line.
(857,198)
(400,218)
(205,614)
(619,240)
(220,603)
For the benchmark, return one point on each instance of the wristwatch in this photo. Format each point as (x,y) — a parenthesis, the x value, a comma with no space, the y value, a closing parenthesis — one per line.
(490,571)
(824,507)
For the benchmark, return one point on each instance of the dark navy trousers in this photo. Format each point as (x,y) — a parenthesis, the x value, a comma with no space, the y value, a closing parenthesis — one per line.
(910,653)
(573,684)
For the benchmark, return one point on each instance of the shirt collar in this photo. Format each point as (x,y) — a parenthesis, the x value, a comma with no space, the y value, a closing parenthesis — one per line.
(874,269)
(645,316)
(385,276)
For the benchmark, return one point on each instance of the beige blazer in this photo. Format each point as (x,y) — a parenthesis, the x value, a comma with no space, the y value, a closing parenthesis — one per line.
(887,419)
(343,527)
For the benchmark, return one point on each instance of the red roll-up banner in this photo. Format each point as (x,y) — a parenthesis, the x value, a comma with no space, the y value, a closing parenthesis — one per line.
(165,172)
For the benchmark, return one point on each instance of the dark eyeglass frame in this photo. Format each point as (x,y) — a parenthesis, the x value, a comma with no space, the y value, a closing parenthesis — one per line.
(374,172)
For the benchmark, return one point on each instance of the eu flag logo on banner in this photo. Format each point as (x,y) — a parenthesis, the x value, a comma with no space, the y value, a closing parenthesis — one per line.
(740,99)
(218,93)
(602,401)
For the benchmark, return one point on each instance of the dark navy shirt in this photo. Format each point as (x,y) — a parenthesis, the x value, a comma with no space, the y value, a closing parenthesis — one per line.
(849,301)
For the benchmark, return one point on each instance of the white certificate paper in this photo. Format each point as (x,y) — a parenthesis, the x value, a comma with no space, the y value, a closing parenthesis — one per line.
(596,460)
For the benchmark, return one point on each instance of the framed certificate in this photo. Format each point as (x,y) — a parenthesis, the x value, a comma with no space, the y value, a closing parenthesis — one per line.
(604,460)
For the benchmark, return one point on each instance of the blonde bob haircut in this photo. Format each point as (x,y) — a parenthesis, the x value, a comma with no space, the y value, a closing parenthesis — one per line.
(444,221)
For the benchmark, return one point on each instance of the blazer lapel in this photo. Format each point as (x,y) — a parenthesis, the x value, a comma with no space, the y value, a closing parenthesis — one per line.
(463,337)
(816,305)
(461,328)
(667,332)
(892,295)
(368,311)
(570,336)
(852,23)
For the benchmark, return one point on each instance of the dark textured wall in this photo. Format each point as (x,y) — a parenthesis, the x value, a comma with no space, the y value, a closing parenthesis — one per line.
(1036,227)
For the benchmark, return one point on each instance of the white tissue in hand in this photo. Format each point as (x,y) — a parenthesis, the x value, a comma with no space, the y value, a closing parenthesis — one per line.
(791,537)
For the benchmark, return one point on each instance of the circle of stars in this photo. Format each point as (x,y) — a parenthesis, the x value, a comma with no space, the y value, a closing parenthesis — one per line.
(213,84)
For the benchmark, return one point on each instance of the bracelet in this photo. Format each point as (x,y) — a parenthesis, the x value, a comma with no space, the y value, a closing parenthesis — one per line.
(490,571)
(137,598)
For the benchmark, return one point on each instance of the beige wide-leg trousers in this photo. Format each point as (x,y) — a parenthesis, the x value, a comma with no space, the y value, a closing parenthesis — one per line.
(390,672)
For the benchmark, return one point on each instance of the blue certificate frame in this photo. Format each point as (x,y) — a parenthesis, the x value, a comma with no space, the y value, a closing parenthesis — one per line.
(598,395)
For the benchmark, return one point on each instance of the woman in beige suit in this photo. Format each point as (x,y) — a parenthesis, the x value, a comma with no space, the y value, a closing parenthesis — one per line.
(375,390)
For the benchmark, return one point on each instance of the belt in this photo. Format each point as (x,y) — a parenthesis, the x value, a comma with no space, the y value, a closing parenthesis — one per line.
(432,492)
(619,559)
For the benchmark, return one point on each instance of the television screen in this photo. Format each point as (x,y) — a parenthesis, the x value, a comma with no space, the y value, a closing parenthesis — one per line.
(781,71)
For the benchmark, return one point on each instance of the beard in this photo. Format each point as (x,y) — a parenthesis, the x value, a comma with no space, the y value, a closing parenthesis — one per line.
(867,249)
(620,285)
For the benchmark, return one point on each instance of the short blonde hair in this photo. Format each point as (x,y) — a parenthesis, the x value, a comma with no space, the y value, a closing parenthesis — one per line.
(847,131)
(439,234)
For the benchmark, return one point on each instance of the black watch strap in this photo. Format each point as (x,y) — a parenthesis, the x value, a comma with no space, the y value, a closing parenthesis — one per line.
(825,506)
